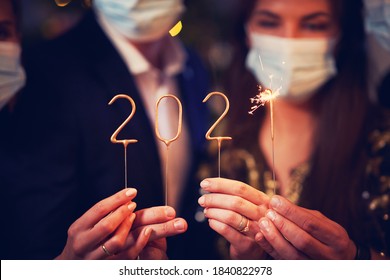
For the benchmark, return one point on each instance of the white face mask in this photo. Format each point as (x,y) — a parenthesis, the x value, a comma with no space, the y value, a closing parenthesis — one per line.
(12,76)
(295,67)
(378,20)
(141,20)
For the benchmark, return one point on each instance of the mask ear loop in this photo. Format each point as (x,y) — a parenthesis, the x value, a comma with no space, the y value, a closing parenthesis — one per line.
(168,142)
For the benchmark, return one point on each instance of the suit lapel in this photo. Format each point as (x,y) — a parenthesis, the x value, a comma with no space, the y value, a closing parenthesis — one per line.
(144,163)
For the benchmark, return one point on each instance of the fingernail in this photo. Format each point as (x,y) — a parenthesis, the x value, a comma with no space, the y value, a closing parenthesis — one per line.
(264,225)
(148,231)
(275,202)
(169,212)
(271,215)
(132,217)
(131,192)
(259,236)
(178,225)
(205,184)
(132,206)
(205,212)
(201,200)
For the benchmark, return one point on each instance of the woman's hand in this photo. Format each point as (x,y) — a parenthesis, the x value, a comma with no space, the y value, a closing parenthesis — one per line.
(233,209)
(103,229)
(292,232)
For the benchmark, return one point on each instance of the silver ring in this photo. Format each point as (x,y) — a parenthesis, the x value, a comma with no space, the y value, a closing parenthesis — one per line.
(105,250)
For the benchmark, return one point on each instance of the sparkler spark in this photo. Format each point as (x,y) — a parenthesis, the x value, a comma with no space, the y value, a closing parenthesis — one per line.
(259,100)
(263,97)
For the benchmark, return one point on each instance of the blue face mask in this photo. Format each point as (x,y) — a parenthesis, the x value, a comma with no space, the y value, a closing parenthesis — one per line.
(378,20)
(12,76)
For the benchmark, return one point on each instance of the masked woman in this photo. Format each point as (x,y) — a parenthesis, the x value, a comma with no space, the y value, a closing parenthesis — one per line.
(12,76)
(330,149)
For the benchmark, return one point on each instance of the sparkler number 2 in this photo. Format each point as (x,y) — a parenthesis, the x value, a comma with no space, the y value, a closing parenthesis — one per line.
(218,138)
(125,142)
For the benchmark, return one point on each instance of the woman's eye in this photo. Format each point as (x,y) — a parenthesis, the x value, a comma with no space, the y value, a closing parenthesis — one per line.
(316,26)
(267,23)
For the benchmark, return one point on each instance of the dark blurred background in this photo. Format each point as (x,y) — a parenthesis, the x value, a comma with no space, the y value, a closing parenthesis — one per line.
(208,26)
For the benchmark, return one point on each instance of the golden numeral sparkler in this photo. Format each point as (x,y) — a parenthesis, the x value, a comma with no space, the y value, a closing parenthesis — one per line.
(125,142)
(168,142)
(218,138)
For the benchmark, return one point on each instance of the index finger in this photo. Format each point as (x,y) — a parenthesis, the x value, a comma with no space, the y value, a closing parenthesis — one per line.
(107,205)
(237,188)
(154,215)
(159,230)
(317,226)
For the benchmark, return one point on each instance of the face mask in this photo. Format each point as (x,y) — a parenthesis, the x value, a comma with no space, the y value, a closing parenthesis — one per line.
(295,67)
(12,76)
(140,20)
(378,20)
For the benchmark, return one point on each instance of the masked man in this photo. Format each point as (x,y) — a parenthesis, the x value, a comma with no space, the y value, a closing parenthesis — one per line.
(69,163)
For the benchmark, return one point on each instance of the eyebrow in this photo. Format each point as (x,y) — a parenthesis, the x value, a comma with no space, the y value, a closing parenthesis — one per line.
(307,17)
(266,13)
(316,15)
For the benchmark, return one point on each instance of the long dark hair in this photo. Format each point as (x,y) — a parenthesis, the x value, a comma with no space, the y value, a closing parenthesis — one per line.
(17,12)
(337,164)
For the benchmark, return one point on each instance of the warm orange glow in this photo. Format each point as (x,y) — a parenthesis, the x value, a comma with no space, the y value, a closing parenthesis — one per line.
(263,97)
(62,3)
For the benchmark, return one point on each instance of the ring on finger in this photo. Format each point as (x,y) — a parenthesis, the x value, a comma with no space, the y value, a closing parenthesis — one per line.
(246,228)
(244,224)
(106,251)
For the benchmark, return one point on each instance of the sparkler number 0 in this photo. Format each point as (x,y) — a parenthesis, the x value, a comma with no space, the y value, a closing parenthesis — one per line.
(179,125)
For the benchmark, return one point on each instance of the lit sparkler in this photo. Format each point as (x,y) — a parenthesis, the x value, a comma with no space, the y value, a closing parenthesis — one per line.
(264,96)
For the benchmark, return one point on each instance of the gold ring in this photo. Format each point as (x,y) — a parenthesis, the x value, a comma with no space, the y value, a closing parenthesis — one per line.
(240,226)
(244,225)
(105,250)
(246,228)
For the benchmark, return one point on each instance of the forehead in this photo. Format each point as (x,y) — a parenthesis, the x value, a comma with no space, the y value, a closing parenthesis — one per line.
(293,7)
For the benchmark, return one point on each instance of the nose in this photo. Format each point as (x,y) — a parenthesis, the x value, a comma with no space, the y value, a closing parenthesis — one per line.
(289,30)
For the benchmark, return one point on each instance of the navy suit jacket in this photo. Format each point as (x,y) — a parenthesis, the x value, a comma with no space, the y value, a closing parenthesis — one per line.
(59,160)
